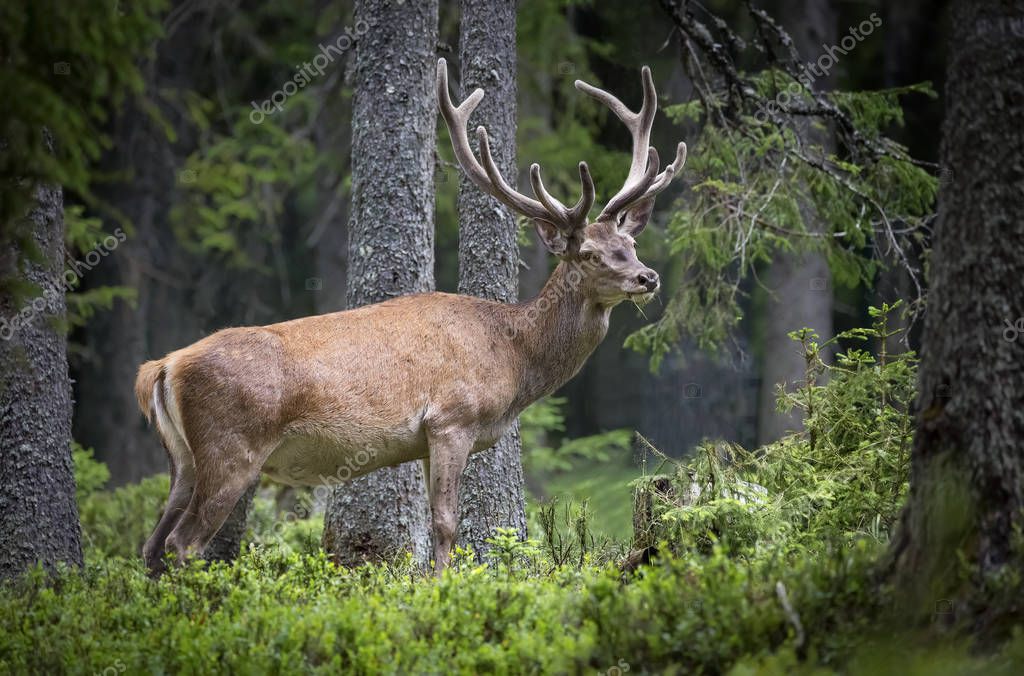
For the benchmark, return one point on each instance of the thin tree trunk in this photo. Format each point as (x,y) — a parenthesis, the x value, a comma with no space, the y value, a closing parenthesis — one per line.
(38,514)
(801,283)
(967,464)
(492,485)
(227,543)
(391,246)
(115,342)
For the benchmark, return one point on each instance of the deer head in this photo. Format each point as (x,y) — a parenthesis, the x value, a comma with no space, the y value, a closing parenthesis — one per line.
(606,246)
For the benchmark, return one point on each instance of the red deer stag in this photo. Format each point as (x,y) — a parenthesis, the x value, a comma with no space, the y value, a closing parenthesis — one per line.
(431,376)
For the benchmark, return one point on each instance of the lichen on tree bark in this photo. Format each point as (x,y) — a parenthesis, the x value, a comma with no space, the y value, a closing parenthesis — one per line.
(967,465)
(38,514)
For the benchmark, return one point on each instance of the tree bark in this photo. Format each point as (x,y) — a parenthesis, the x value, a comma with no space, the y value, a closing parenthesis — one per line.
(967,463)
(492,485)
(227,543)
(801,283)
(38,514)
(391,246)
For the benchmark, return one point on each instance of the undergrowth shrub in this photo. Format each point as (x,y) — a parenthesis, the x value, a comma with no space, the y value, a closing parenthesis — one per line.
(766,566)
(115,522)
(842,479)
(276,613)
(271,612)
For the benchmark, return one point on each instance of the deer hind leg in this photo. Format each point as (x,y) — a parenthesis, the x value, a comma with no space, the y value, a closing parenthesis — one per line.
(182,486)
(449,451)
(183,476)
(218,486)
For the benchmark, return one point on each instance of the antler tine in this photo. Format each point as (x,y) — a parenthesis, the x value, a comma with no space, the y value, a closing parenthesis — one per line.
(580,210)
(665,177)
(552,204)
(456,118)
(506,193)
(486,175)
(639,125)
(639,187)
(577,215)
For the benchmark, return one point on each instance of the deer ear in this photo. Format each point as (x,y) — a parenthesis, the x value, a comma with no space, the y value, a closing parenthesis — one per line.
(553,238)
(634,219)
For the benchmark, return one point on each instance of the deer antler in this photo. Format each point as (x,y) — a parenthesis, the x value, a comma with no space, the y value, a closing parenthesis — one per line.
(643,180)
(489,179)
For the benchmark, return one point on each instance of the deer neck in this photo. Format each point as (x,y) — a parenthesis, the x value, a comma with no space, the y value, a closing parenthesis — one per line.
(557,331)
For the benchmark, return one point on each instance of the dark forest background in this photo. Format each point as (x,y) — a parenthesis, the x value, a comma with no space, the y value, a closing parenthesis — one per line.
(234,223)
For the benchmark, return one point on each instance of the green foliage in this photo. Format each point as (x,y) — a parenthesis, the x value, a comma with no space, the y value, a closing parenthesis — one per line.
(258,189)
(90,475)
(841,481)
(64,67)
(117,522)
(567,538)
(575,468)
(760,188)
(272,613)
(544,419)
(234,188)
(510,552)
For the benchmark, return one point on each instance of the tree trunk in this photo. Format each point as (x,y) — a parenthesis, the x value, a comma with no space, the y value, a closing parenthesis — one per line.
(227,543)
(801,283)
(391,246)
(492,485)
(967,465)
(115,342)
(38,514)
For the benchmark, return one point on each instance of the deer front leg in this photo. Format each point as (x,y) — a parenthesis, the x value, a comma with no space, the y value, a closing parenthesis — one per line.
(449,451)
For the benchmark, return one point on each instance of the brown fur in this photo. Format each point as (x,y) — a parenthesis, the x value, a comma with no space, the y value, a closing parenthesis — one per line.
(149,373)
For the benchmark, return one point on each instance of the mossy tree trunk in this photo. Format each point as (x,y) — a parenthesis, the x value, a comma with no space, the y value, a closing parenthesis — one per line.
(38,514)
(492,486)
(967,468)
(391,246)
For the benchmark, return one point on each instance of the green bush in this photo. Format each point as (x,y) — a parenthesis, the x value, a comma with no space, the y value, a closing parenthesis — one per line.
(842,480)
(277,613)
(296,613)
(117,522)
(767,563)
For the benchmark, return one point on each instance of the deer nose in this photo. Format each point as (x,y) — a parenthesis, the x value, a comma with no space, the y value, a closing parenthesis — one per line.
(648,279)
